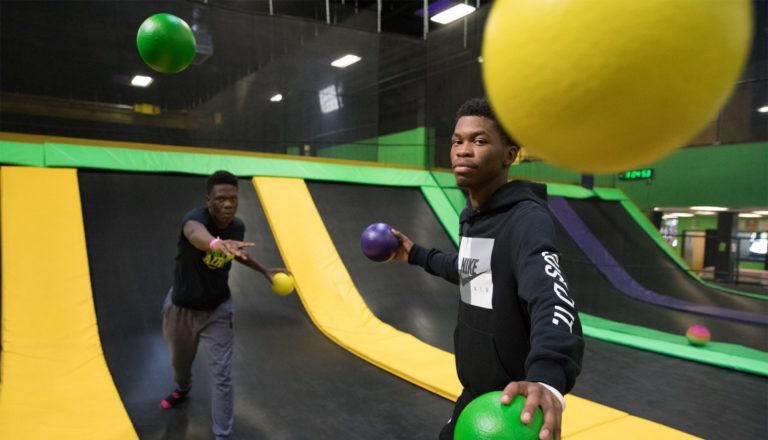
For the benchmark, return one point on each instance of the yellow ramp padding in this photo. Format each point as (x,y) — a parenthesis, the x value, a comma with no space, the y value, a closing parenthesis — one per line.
(338,310)
(631,428)
(54,381)
(331,299)
(581,415)
(587,420)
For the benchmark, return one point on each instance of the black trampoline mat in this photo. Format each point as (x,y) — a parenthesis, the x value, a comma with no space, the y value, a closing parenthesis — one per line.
(685,395)
(647,263)
(290,381)
(399,294)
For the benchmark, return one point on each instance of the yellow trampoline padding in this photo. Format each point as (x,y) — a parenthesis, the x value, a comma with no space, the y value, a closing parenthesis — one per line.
(331,299)
(631,428)
(580,415)
(337,309)
(54,381)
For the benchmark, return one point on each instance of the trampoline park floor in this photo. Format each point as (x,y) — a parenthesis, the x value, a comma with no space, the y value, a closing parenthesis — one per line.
(686,395)
(291,381)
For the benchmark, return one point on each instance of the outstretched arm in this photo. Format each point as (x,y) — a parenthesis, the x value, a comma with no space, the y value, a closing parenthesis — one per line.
(253,264)
(557,345)
(433,261)
(197,234)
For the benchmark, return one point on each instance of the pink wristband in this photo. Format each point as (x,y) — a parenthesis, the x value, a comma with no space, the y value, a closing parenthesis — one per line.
(213,242)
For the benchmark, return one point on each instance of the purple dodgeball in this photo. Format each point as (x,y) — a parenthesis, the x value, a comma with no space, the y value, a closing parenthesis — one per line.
(378,243)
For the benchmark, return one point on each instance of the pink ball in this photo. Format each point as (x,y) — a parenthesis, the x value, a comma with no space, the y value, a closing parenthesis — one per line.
(698,335)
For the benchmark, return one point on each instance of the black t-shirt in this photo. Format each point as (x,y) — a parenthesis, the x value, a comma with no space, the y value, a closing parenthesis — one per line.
(201,278)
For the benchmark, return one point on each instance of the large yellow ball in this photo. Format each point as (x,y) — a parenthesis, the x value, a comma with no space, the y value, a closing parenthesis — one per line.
(609,85)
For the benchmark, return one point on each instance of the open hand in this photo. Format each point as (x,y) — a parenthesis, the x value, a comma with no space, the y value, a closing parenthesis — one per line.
(233,248)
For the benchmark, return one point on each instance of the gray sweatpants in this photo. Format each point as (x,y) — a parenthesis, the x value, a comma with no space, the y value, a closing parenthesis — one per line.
(183,330)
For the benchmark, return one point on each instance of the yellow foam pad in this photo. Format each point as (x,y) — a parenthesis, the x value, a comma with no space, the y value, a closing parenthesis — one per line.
(54,381)
(581,415)
(630,428)
(331,299)
(337,309)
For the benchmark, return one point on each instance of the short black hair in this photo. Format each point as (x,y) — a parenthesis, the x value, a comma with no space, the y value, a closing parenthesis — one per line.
(481,107)
(220,177)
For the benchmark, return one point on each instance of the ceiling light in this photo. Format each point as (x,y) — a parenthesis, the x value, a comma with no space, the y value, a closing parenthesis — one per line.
(763,109)
(276,98)
(672,215)
(761,212)
(141,81)
(345,61)
(749,215)
(453,13)
(705,213)
(708,208)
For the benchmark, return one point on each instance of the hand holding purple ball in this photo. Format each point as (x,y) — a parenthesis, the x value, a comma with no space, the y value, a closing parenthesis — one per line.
(378,243)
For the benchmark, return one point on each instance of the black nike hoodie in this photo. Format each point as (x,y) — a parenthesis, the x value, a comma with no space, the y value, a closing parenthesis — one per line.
(516,320)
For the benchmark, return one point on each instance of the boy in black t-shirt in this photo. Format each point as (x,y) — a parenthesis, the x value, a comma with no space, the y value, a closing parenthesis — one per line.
(199,305)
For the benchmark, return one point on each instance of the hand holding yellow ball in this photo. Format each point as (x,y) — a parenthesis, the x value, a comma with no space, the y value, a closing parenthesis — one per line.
(282,283)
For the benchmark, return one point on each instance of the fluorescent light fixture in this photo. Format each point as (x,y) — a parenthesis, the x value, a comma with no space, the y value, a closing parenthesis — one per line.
(763,109)
(676,215)
(453,13)
(705,213)
(345,61)
(761,212)
(708,208)
(141,81)
(749,215)
(276,98)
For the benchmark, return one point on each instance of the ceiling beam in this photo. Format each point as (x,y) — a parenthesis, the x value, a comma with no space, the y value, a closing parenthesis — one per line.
(139,114)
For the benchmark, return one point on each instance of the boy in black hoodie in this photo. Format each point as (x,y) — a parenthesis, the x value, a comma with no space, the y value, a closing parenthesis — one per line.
(518,329)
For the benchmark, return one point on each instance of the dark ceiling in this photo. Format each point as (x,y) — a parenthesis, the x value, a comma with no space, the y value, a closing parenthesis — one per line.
(68,63)
(86,50)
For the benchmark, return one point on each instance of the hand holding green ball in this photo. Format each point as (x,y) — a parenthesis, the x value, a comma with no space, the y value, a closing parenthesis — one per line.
(486,418)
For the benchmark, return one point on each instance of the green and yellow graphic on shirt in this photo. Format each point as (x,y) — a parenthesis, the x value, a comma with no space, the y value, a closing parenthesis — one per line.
(216,260)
